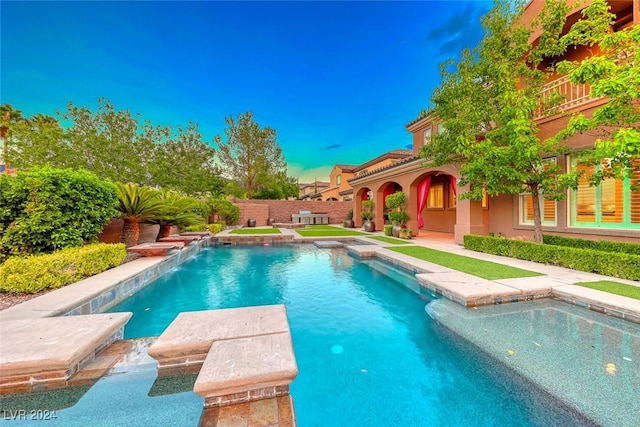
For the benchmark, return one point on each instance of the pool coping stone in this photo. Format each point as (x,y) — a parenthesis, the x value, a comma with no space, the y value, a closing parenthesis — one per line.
(53,349)
(188,339)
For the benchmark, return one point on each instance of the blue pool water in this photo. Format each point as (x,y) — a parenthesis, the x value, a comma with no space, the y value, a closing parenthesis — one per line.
(367,352)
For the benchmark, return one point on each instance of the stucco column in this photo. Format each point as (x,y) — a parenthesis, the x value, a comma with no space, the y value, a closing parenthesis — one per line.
(469,219)
(412,209)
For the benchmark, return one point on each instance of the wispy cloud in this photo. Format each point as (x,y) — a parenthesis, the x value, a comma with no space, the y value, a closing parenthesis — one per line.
(457,31)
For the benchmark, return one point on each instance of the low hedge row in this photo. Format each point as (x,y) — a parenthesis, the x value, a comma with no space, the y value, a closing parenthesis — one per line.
(37,272)
(195,227)
(622,265)
(216,227)
(598,245)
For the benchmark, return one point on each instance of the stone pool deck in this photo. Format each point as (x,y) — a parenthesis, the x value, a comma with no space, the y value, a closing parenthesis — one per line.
(471,291)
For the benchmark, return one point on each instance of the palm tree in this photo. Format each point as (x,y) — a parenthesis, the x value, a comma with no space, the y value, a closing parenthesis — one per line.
(137,204)
(9,116)
(179,211)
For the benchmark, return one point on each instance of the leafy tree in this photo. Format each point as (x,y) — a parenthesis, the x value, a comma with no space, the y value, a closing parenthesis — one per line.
(39,140)
(224,210)
(277,187)
(107,142)
(185,163)
(487,103)
(136,204)
(115,144)
(250,154)
(612,71)
(46,209)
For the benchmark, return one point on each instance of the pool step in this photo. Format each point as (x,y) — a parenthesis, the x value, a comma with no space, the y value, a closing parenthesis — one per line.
(246,369)
(39,354)
(246,353)
(187,340)
(328,244)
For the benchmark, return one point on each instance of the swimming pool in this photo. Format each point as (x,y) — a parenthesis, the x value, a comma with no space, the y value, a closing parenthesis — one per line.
(367,352)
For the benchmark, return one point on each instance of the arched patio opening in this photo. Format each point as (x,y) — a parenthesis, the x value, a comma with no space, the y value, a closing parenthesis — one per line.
(363,194)
(385,190)
(434,203)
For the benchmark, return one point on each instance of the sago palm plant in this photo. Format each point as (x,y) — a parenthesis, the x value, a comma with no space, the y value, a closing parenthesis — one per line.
(136,204)
(178,210)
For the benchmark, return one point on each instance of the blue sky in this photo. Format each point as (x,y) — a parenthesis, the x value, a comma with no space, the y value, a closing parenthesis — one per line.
(337,80)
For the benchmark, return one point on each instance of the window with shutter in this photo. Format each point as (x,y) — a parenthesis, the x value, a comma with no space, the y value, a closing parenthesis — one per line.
(615,203)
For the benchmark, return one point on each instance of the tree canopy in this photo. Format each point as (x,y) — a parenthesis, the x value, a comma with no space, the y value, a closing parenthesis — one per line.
(117,145)
(488,103)
(122,147)
(612,71)
(252,157)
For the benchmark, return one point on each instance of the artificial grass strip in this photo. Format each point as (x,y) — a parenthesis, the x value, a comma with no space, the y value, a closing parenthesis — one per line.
(477,267)
(617,288)
(327,231)
(255,231)
(391,240)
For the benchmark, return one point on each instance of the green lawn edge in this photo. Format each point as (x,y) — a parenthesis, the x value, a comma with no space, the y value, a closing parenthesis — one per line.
(255,231)
(329,233)
(391,240)
(611,287)
(476,267)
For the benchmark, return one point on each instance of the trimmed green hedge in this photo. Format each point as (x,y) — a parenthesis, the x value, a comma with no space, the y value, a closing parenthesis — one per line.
(37,272)
(598,245)
(622,265)
(216,227)
(195,227)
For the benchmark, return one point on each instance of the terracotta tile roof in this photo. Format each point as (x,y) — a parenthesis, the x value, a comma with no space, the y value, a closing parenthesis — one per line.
(346,168)
(312,184)
(393,154)
(421,115)
(384,168)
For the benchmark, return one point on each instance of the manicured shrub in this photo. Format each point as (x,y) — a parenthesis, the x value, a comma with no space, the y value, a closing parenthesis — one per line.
(224,210)
(37,272)
(216,227)
(45,209)
(388,230)
(622,265)
(598,245)
(195,227)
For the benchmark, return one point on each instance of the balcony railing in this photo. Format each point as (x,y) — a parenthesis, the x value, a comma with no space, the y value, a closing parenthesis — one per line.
(572,95)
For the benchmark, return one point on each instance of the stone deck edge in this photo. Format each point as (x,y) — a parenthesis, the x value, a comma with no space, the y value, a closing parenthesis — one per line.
(612,305)
(46,375)
(98,293)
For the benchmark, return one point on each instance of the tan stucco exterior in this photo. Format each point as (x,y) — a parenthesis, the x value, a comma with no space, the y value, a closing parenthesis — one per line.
(501,214)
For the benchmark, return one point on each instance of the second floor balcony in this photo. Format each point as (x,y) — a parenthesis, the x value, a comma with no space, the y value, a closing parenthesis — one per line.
(570,96)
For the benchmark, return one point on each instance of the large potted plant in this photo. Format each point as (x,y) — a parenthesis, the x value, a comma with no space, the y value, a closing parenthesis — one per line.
(348,223)
(398,216)
(367,216)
